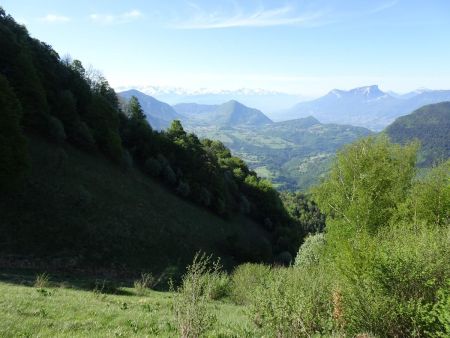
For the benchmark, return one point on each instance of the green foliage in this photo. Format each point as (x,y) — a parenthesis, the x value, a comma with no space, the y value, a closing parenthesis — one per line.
(147,281)
(293,303)
(134,109)
(245,279)
(387,240)
(56,130)
(220,285)
(191,301)
(367,182)
(183,189)
(13,146)
(389,286)
(310,251)
(440,314)
(153,167)
(103,121)
(429,200)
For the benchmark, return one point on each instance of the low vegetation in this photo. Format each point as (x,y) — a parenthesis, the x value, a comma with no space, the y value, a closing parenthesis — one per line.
(380,268)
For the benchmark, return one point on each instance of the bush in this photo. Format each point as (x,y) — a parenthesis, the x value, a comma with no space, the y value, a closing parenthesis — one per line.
(56,129)
(245,279)
(190,303)
(82,136)
(42,281)
(153,167)
(169,175)
(310,251)
(293,303)
(390,286)
(147,281)
(183,189)
(220,285)
(440,314)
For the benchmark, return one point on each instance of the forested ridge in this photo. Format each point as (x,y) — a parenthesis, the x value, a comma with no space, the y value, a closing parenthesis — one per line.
(430,125)
(45,96)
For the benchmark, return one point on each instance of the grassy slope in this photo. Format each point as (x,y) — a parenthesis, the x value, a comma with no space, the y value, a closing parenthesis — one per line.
(64,310)
(117,215)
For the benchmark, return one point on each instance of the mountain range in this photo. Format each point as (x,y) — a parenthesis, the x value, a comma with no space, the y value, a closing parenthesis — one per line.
(158,113)
(296,152)
(267,101)
(367,106)
(291,153)
(228,114)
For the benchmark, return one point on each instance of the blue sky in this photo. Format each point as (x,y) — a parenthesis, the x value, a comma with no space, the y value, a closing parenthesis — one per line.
(304,47)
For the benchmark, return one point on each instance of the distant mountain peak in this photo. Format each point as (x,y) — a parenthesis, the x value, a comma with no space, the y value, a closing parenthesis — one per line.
(369,92)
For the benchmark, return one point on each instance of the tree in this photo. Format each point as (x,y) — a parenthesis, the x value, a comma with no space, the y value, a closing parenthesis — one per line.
(13,149)
(134,109)
(366,184)
(176,130)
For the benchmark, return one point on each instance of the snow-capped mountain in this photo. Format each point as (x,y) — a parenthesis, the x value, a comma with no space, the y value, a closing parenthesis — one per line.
(367,106)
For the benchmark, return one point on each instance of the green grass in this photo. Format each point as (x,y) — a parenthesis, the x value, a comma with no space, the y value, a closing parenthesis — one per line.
(64,310)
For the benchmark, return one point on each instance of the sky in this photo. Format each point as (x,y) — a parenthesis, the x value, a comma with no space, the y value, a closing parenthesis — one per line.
(305,47)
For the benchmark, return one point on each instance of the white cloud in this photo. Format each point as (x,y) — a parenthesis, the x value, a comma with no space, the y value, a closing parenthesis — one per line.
(119,18)
(281,16)
(302,13)
(54,18)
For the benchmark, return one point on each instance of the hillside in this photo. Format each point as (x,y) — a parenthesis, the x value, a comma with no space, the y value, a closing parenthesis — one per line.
(368,106)
(101,214)
(87,180)
(431,126)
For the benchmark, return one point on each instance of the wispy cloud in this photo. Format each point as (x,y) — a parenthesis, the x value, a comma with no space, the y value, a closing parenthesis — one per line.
(303,13)
(54,18)
(261,17)
(125,17)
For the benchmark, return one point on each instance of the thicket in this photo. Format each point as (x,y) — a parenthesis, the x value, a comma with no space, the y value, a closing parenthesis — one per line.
(382,266)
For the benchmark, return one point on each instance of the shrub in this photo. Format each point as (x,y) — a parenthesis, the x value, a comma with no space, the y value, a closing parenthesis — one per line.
(220,285)
(389,286)
(103,286)
(440,314)
(169,175)
(190,303)
(56,129)
(204,197)
(147,281)
(82,136)
(245,279)
(293,302)
(310,251)
(42,280)
(153,167)
(183,189)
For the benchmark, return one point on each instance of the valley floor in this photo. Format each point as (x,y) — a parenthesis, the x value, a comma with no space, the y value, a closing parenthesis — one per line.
(70,308)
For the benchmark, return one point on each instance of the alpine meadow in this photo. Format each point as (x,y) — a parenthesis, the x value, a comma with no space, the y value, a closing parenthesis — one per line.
(224,169)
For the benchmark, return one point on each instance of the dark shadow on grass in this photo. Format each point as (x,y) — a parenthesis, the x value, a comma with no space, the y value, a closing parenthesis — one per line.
(26,277)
